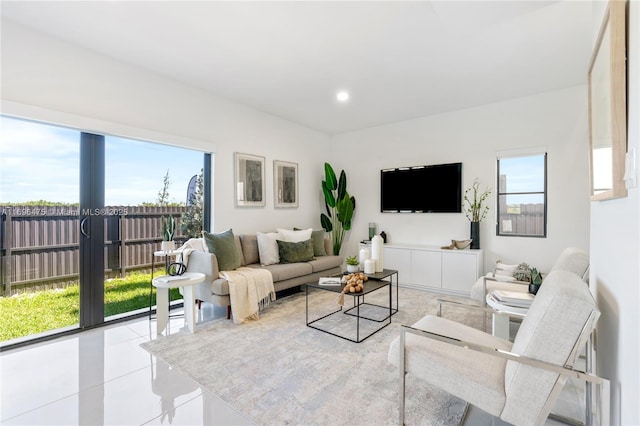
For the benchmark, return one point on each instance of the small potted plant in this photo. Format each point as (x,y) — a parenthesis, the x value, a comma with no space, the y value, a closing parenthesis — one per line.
(168,231)
(352,264)
(536,281)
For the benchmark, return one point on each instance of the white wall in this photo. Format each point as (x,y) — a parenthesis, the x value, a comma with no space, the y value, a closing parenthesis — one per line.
(556,121)
(615,261)
(50,80)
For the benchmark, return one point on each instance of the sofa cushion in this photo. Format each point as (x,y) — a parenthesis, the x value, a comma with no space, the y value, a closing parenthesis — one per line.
(295,252)
(317,238)
(268,248)
(285,271)
(294,236)
(249,244)
(226,248)
(323,263)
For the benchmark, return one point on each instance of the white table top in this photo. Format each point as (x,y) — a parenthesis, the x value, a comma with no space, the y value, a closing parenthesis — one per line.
(500,306)
(162,253)
(188,278)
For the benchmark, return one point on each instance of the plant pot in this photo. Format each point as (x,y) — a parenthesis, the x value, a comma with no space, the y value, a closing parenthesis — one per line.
(168,245)
(533,288)
(475,235)
(352,268)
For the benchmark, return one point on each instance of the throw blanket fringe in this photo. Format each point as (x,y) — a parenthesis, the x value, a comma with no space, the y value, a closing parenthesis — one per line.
(250,290)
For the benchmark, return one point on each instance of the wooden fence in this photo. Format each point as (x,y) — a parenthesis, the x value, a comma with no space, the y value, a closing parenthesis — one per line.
(526,219)
(40,245)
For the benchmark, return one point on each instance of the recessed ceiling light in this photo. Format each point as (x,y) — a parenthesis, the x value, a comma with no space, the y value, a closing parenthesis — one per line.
(342,96)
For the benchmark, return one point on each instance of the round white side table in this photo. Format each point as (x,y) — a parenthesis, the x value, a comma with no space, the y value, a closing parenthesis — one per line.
(500,322)
(163,284)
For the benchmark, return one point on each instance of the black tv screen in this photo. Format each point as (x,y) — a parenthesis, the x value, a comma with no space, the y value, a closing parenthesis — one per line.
(422,189)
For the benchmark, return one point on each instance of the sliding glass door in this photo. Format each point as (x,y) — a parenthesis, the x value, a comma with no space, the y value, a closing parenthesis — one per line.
(81,218)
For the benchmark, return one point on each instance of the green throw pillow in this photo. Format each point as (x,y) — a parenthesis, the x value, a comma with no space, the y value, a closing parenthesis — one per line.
(295,252)
(317,238)
(223,245)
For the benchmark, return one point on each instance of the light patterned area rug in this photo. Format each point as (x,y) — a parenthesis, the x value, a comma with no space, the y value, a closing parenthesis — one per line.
(278,371)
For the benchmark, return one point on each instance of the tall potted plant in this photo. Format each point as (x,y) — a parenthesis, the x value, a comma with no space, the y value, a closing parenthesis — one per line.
(339,205)
(475,210)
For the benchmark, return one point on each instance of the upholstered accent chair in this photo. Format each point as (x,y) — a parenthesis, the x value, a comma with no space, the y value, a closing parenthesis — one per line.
(571,259)
(517,382)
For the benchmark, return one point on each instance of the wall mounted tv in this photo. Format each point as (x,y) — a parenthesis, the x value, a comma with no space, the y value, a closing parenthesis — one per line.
(422,189)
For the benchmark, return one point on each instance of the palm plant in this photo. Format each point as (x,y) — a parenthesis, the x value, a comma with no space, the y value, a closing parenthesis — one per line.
(339,205)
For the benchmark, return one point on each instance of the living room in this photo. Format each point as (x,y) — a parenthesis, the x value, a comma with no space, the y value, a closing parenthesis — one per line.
(48,79)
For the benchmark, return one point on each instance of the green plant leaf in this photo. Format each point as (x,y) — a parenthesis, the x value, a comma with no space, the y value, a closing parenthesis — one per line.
(330,175)
(326,222)
(328,195)
(342,185)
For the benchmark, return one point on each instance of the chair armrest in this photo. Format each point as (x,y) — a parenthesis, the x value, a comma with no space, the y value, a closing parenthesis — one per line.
(507,355)
(472,305)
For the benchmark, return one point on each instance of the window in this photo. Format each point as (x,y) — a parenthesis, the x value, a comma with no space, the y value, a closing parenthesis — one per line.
(522,196)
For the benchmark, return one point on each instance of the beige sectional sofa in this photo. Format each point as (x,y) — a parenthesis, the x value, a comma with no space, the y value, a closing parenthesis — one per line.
(215,289)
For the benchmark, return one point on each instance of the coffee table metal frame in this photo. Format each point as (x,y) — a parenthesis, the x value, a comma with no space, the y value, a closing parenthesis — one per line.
(376,281)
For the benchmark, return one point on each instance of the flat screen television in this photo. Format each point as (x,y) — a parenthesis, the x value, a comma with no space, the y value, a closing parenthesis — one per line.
(422,189)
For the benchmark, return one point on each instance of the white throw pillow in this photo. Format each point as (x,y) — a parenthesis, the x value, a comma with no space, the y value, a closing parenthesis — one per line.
(294,236)
(268,248)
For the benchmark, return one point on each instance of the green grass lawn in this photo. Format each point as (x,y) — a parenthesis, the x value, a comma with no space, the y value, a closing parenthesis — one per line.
(32,313)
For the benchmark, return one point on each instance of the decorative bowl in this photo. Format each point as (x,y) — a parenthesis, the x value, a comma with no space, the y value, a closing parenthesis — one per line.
(462,244)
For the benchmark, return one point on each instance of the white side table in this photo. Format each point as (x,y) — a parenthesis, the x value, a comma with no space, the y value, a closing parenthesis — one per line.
(500,322)
(167,255)
(163,284)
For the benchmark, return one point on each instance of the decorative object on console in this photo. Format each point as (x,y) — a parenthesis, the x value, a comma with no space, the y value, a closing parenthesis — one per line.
(339,206)
(372,230)
(473,200)
(249,180)
(457,244)
(377,252)
(168,231)
(384,237)
(352,264)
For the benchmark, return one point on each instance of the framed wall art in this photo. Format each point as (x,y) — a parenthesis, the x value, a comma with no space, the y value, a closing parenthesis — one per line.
(285,184)
(608,106)
(249,180)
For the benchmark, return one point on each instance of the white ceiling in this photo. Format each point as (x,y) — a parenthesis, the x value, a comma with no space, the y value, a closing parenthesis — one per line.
(399,60)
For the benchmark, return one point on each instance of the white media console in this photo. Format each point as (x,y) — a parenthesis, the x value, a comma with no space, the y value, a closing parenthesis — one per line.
(432,268)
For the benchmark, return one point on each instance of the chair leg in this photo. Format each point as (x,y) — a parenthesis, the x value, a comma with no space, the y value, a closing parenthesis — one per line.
(401,368)
(228,311)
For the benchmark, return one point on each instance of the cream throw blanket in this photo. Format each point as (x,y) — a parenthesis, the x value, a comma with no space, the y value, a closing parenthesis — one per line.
(250,289)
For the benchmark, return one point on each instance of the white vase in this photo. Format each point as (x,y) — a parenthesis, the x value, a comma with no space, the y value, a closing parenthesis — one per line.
(168,245)
(377,252)
(363,255)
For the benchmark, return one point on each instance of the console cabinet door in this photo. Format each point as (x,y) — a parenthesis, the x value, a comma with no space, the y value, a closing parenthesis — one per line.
(426,268)
(459,271)
(400,260)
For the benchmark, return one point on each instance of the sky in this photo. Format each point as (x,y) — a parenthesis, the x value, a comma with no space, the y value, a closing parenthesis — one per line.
(41,162)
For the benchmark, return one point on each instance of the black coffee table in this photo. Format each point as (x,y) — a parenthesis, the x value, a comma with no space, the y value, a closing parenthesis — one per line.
(376,282)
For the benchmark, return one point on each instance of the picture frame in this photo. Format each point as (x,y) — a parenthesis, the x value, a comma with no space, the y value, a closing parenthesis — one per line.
(285,184)
(608,107)
(249,180)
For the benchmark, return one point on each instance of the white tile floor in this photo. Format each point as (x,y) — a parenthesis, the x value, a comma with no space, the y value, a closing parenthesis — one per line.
(103,376)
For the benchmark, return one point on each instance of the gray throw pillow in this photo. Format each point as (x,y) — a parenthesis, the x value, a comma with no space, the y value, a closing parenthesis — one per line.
(295,252)
(317,239)
(223,245)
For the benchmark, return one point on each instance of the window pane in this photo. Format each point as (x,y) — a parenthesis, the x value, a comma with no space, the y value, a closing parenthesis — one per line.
(522,174)
(521,215)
